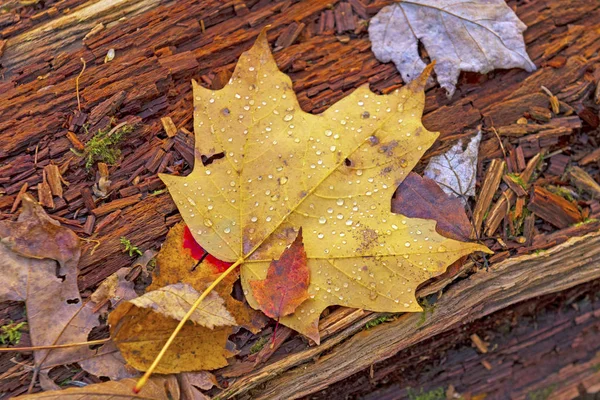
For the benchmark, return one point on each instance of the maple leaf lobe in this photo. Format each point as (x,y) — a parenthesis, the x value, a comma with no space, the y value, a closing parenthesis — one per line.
(286,284)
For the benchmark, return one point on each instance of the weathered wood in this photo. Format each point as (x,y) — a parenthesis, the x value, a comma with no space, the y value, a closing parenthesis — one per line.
(553,208)
(507,283)
(486,194)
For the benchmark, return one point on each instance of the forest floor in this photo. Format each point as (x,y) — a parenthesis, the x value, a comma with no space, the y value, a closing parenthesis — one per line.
(57,92)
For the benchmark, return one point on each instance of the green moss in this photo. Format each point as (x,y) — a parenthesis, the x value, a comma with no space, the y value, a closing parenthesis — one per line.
(586,221)
(433,394)
(157,192)
(518,180)
(258,345)
(133,250)
(10,333)
(541,394)
(378,321)
(428,308)
(104,146)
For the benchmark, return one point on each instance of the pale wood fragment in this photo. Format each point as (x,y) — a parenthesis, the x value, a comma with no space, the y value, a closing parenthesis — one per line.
(486,194)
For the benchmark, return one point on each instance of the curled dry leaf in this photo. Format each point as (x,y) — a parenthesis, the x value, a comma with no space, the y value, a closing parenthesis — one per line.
(332,174)
(286,284)
(175,300)
(115,288)
(456,170)
(191,382)
(140,333)
(460,35)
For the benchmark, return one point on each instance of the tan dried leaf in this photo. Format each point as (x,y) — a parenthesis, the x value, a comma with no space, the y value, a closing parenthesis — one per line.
(460,35)
(175,300)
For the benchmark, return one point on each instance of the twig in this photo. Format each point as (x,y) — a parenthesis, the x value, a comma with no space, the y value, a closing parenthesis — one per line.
(77,83)
(54,346)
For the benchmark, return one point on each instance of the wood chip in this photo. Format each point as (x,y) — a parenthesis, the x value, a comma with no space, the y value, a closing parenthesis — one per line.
(583,181)
(44,192)
(88,227)
(22,191)
(116,205)
(540,113)
(169,126)
(78,144)
(54,179)
(529,229)
(591,157)
(514,185)
(500,209)
(107,107)
(553,208)
(107,221)
(344,18)
(88,199)
(558,164)
(289,35)
(486,194)
(480,344)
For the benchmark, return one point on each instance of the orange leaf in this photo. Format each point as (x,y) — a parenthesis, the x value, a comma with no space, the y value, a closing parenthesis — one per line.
(286,284)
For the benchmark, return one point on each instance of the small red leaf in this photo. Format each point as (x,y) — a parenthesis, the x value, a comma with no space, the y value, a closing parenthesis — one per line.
(198,253)
(421,197)
(286,284)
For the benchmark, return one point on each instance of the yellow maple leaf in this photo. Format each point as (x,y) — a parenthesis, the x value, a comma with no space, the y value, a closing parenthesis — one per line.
(332,174)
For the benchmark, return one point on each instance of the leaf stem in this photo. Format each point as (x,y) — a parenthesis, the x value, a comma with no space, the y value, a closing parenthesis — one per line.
(140,383)
(54,346)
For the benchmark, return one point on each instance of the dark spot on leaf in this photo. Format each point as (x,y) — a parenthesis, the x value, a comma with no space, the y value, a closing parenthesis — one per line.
(348,162)
(72,301)
(388,148)
(225,111)
(211,159)
(365,115)
(374,140)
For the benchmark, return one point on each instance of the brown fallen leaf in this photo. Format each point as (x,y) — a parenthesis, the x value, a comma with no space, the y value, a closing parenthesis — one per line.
(29,251)
(175,300)
(140,333)
(286,284)
(191,382)
(421,197)
(115,288)
(155,389)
